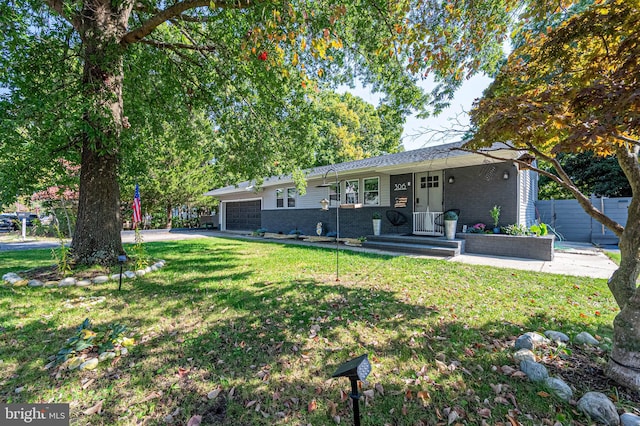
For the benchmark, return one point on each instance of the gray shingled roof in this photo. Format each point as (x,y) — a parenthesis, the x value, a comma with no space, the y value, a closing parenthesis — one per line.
(407,158)
(401,158)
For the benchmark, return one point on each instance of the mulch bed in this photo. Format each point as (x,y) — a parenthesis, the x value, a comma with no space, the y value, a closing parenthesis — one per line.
(583,370)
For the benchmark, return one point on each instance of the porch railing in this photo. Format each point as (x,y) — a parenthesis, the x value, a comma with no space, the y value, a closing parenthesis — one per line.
(424,223)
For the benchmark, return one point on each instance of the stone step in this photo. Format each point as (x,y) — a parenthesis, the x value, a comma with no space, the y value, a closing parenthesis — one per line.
(420,240)
(407,247)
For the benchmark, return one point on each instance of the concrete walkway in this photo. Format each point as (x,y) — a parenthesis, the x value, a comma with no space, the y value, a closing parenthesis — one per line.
(577,259)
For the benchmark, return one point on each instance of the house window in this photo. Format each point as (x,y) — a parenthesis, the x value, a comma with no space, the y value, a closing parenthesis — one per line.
(433,181)
(279,197)
(334,195)
(351,189)
(291,197)
(371,191)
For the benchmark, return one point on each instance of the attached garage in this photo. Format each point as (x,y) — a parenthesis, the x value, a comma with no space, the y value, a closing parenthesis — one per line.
(243,215)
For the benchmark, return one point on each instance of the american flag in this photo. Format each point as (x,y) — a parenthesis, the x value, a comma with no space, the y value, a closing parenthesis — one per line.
(137,211)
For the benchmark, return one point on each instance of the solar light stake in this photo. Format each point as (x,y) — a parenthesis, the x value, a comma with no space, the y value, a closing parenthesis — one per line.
(121,260)
(355,397)
(356,369)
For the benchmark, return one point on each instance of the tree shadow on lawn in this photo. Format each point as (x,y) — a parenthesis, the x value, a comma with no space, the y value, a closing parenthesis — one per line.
(277,345)
(269,349)
(248,332)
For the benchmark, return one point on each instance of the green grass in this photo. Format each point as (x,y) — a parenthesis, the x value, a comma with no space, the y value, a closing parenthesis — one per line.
(267,325)
(615,256)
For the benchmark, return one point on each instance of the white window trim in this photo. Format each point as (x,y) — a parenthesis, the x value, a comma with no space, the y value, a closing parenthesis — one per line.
(358,192)
(364,191)
(282,192)
(295,197)
(338,201)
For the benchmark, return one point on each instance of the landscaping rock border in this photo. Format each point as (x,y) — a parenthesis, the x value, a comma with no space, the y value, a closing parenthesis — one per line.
(12,279)
(595,405)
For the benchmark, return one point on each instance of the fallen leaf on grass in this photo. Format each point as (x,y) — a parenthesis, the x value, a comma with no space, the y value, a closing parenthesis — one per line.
(441,366)
(543,394)
(194,421)
(379,388)
(519,374)
(332,409)
(496,388)
(214,393)
(501,400)
(152,395)
(312,405)
(507,369)
(484,412)
(368,395)
(95,409)
(424,397)
(513,421)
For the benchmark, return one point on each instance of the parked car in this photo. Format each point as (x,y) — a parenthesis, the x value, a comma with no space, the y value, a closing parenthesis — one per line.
(8,222)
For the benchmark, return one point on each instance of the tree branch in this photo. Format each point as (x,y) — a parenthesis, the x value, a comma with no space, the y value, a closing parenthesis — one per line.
(628,161)
(174,46)
(175,11)
(58,6)
(626,139)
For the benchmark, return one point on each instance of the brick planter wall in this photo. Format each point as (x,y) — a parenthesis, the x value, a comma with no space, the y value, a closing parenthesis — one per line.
(539,248)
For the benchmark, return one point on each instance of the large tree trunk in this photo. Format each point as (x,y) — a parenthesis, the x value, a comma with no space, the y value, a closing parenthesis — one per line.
(97,237)
(169,212)
(624,363)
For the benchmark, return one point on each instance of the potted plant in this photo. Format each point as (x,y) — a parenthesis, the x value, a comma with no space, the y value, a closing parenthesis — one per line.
(450,224)
(377,223)
(495,215)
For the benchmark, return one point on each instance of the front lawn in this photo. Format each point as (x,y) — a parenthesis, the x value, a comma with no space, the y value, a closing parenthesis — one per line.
(249,333)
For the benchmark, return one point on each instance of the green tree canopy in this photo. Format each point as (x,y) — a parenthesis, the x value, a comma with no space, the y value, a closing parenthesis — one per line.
(84,80)
(592,174)
(347,128)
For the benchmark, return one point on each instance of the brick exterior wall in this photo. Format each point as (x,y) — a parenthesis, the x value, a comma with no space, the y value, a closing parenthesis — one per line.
(477,189)
(354,223)
(540,248)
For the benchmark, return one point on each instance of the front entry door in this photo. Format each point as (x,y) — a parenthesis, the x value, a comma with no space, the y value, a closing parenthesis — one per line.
(428,202)
(428,192)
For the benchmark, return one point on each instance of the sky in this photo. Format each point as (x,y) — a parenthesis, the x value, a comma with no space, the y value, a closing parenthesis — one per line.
(415,135)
